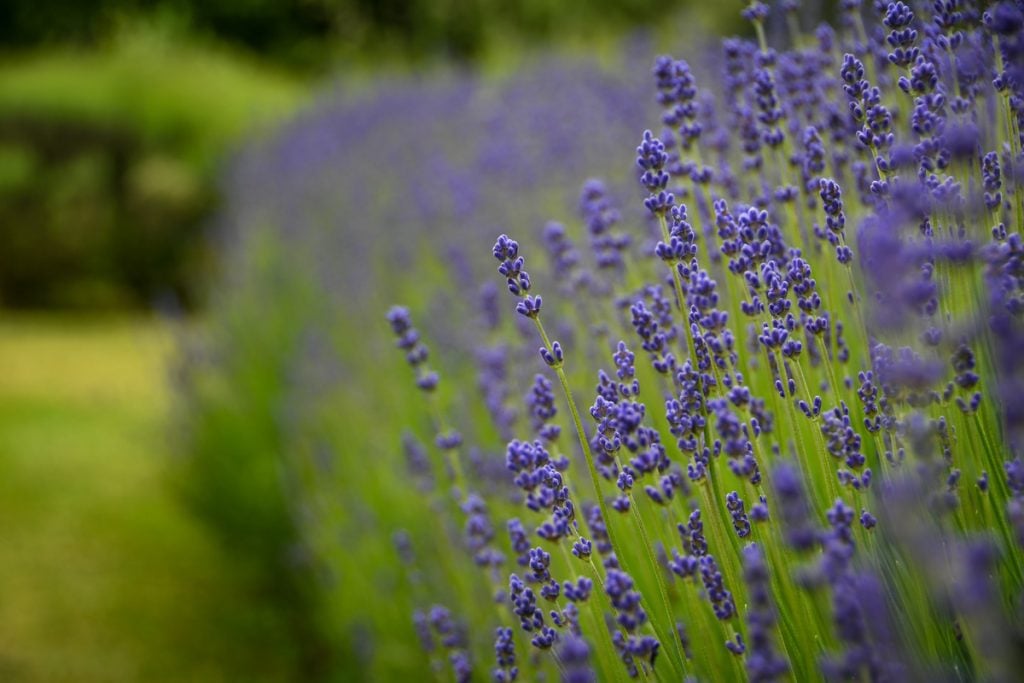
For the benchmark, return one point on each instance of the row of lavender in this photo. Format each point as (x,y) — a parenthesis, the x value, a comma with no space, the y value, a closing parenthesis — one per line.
(802,456)
(294,406)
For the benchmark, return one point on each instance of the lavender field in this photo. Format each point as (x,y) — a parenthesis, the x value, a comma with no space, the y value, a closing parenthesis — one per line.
(700,367)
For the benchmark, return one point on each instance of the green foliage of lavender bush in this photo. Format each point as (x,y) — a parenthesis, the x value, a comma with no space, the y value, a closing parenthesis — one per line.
(802,458)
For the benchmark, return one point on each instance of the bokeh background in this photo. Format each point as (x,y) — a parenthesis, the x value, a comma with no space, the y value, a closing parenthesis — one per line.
(205,207)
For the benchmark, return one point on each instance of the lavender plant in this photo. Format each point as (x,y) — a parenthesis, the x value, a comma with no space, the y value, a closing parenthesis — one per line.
(290,395)
(802,366)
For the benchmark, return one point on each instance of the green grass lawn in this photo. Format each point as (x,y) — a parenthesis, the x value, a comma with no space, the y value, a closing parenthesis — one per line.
(104,576)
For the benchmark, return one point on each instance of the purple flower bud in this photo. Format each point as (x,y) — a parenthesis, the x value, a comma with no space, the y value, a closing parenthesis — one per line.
(574,655)
(867,520)
(554,357)
(529,306)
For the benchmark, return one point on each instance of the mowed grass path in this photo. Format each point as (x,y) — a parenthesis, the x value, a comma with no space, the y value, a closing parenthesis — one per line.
(104,576)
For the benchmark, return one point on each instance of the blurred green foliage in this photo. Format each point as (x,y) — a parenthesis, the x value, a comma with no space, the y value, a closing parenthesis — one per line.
(233,434)
(312,34)
(108,165)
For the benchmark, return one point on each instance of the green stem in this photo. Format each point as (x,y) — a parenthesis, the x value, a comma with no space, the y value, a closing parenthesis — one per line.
(676,658)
